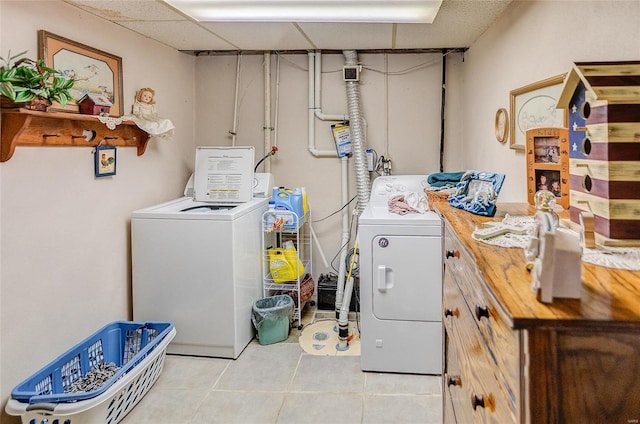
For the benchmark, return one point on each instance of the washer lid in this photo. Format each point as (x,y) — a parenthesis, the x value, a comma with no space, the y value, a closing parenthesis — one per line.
(224,174)
(187,208)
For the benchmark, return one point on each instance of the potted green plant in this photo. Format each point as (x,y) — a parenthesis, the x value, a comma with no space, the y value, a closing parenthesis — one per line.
(32,83)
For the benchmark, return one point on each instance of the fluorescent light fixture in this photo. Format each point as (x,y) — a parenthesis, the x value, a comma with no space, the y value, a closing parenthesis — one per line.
(386,11)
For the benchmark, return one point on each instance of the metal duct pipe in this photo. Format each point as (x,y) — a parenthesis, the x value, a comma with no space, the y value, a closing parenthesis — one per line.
(356,124)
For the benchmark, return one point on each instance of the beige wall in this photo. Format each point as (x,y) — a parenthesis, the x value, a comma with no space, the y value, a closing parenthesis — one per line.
(402,111)
(65,260)
(64,234)
(534,40)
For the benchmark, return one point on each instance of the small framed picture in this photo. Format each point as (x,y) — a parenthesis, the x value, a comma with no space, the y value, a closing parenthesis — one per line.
(548,163)
(105,161)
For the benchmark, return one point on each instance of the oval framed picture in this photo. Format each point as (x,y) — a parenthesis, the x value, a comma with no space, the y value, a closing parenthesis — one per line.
(502,125)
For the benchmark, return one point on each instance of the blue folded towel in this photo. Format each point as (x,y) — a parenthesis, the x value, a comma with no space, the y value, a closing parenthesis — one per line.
(444,179)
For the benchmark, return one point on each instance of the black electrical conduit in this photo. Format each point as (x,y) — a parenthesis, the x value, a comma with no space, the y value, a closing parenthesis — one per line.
(444,92)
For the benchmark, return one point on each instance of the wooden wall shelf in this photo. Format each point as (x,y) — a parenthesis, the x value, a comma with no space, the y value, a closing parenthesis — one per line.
(23,127)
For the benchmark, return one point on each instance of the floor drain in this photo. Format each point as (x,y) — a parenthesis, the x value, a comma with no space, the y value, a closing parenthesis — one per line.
(320,336)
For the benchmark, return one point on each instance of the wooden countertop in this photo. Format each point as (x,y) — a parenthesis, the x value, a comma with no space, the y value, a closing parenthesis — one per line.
(609,295)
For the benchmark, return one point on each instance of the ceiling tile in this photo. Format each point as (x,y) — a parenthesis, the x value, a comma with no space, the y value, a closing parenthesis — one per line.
(260,36)
(131,10)
(458,24)
(180,35)
(339,36)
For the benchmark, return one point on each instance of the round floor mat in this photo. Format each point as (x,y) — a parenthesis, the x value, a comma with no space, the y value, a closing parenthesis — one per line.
(321,338)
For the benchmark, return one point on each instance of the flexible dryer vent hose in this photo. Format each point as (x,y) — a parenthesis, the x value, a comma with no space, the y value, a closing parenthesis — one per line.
(358,136)
(356,124)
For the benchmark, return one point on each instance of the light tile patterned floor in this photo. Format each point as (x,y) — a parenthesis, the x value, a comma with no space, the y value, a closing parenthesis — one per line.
(280,383)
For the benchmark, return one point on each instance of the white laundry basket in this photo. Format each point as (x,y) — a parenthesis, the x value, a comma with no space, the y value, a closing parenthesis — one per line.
(138,349)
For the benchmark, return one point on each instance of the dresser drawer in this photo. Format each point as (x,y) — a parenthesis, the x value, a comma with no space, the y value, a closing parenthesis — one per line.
(475,387)
(456,398)
(502,343)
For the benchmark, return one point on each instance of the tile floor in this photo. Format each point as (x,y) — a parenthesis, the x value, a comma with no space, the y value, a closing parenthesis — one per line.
(280,383)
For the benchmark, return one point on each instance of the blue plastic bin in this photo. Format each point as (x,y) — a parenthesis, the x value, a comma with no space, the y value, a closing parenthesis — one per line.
(125,343)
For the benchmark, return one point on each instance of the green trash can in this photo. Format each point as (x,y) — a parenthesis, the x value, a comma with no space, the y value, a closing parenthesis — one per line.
(271,317)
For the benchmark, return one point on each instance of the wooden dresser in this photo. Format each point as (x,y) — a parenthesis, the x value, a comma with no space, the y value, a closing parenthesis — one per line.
(509,358)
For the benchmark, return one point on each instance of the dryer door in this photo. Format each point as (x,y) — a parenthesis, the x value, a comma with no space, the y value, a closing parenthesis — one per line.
(407,277)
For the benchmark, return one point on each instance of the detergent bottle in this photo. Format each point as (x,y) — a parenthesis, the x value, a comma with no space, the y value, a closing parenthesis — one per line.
(291,200)
(284,263)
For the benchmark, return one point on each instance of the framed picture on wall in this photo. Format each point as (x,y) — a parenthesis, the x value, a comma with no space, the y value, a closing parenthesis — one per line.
(95,72)
(534,106)
(105,161)
(548,163)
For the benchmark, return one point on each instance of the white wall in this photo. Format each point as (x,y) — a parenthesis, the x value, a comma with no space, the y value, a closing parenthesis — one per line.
(531,41)
(401,108)
(65,234)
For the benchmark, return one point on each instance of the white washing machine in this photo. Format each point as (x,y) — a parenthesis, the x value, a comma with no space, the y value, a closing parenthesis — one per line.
(198,265)
(400,283)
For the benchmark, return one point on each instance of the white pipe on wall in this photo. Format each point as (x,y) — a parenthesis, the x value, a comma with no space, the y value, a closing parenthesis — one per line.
(234,128)
(315,84)
(317,108)
(277,105)
(267,109)
(312,120)
(315,111)
(344,241)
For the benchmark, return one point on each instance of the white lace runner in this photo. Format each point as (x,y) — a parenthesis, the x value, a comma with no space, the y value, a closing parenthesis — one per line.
(627,258)
(511,239)
(613,257)
(110,121)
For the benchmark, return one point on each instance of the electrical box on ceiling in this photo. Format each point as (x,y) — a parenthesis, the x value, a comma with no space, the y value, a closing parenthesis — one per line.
(351,72)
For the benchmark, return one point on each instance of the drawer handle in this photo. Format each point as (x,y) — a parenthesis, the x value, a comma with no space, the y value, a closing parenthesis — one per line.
(453,254)
(480,401)
(477,401)
(482,312)
(454,380)
(452,313)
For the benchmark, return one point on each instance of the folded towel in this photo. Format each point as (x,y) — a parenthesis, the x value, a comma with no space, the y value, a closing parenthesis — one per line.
(444,179)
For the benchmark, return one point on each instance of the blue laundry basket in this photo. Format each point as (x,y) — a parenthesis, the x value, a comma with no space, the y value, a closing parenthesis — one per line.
(138,350)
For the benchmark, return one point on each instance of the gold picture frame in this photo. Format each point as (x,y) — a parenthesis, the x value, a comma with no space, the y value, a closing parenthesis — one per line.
(94,71)
(534,106)
(502,125)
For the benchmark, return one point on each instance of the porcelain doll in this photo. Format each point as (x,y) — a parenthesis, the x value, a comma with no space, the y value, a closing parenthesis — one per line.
(144,105)
(146,117)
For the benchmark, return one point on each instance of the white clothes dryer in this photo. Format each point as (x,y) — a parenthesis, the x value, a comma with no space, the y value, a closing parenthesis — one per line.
(198,265)
(400,283)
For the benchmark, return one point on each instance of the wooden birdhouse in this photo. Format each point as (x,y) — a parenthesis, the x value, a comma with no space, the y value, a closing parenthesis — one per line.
(91,104)
(603,102)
